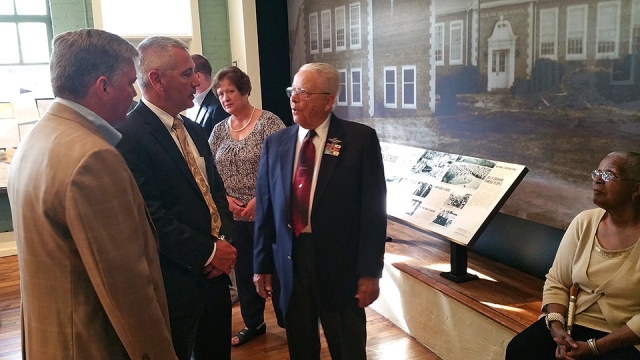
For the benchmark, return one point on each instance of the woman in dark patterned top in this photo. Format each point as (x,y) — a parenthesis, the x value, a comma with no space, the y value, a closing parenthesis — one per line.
(236,144)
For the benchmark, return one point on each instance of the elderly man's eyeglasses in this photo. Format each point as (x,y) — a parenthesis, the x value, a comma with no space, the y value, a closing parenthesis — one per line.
(302,93)
(607,176)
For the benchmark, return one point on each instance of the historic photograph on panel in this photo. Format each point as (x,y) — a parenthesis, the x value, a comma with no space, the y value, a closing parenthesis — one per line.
(423,189)
(458,200)
(550,84)
(445,218)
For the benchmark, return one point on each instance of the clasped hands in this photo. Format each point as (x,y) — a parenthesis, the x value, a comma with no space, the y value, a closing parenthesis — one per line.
(240,209)
(568,349)
(223,261)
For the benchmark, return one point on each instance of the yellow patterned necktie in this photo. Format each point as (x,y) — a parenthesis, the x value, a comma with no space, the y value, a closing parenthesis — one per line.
(178,126)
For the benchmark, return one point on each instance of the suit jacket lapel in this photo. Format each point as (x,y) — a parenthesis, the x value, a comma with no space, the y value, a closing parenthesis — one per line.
(328,163)
(286,153)
(161,134)
(203,112)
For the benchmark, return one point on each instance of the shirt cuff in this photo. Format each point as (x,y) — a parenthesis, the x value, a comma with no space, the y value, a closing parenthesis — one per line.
(213,253)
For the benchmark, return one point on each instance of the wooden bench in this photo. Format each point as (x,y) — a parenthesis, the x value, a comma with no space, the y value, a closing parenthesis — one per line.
(473,320)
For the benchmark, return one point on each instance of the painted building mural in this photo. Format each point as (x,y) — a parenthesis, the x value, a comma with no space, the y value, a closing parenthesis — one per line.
(553,85)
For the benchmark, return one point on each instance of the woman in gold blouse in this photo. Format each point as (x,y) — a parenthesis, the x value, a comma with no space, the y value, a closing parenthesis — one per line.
(599,253)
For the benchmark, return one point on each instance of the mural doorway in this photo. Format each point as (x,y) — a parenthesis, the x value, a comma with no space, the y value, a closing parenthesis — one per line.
(502,50)
(499,69)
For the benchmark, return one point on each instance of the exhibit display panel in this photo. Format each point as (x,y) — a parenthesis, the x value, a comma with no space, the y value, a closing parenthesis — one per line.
(450,195)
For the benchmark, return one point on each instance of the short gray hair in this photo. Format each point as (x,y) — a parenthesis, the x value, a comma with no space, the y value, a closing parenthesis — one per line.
(329,74)
(80,57)
(155,54)
(630,165)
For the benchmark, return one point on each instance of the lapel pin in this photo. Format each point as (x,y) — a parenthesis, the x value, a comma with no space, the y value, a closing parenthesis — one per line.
(333,147)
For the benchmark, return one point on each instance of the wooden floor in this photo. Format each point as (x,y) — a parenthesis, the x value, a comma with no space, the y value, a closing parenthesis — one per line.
(385,340)
(510,297)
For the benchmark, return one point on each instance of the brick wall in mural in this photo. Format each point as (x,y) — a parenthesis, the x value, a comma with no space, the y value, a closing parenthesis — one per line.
(550,84)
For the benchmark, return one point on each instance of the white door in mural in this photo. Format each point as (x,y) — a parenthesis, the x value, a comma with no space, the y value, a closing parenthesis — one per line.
(500,69)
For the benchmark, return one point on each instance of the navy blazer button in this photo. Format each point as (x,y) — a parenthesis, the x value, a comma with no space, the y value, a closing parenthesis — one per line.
(289,257)
(289,226)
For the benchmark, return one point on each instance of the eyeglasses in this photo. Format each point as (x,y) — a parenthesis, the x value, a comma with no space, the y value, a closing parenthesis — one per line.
(607,176)
(302,93)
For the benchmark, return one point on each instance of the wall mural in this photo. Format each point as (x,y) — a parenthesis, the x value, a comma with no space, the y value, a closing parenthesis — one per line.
(551,84)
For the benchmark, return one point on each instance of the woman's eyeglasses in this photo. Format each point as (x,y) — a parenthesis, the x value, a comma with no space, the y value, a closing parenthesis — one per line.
(606,176)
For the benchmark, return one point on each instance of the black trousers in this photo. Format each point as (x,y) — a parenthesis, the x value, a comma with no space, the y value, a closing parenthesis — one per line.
(536,343)
(345,330)
(251,303)
(205,332)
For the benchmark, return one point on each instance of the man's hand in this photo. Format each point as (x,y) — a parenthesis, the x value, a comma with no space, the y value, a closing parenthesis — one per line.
(368,290)
(225,257)
(263,284)
(211,272)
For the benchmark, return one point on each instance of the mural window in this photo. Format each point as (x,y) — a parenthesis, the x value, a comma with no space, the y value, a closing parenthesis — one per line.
(499,63)
(635,27)
(356,87)
(354,26)
(608,30)
(341,35)
(390,87)
(577,32)
(409,87)
(325,17)
(26,34)
(455,43)
(549,33)
(342,97)
(438,43)
(313,33)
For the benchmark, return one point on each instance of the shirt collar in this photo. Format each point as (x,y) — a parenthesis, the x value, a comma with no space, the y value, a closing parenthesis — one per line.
(199,98)
(111,135)
(166,119)
(321,130)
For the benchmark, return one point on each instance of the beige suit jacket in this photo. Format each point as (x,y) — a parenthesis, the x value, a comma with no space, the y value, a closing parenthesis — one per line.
(89,271)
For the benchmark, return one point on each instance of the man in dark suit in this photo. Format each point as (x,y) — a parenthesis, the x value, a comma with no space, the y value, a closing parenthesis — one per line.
(326,244)
(207,110)
(185,195)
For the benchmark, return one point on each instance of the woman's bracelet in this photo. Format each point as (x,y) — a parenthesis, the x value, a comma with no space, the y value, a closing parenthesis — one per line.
(554,316)
(592,345)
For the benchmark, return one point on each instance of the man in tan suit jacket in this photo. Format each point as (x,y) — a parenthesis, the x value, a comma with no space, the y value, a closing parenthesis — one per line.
(89,271)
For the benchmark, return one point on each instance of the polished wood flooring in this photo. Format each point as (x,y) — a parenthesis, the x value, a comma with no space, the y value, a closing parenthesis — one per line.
(508,296)
(385,340)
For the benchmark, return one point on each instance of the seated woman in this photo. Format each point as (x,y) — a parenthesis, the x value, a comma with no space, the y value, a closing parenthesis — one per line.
(599,253)
(236,144)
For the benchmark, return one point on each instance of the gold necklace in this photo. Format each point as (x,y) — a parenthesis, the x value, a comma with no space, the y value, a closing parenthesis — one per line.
(245,126)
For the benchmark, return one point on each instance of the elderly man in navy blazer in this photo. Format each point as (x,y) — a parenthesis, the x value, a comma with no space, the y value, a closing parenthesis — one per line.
(321,220)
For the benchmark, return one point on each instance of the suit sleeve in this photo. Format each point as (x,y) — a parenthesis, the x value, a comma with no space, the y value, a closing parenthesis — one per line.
(108,223)
(264,218)
(219,195)
(179,242)
(373,228)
